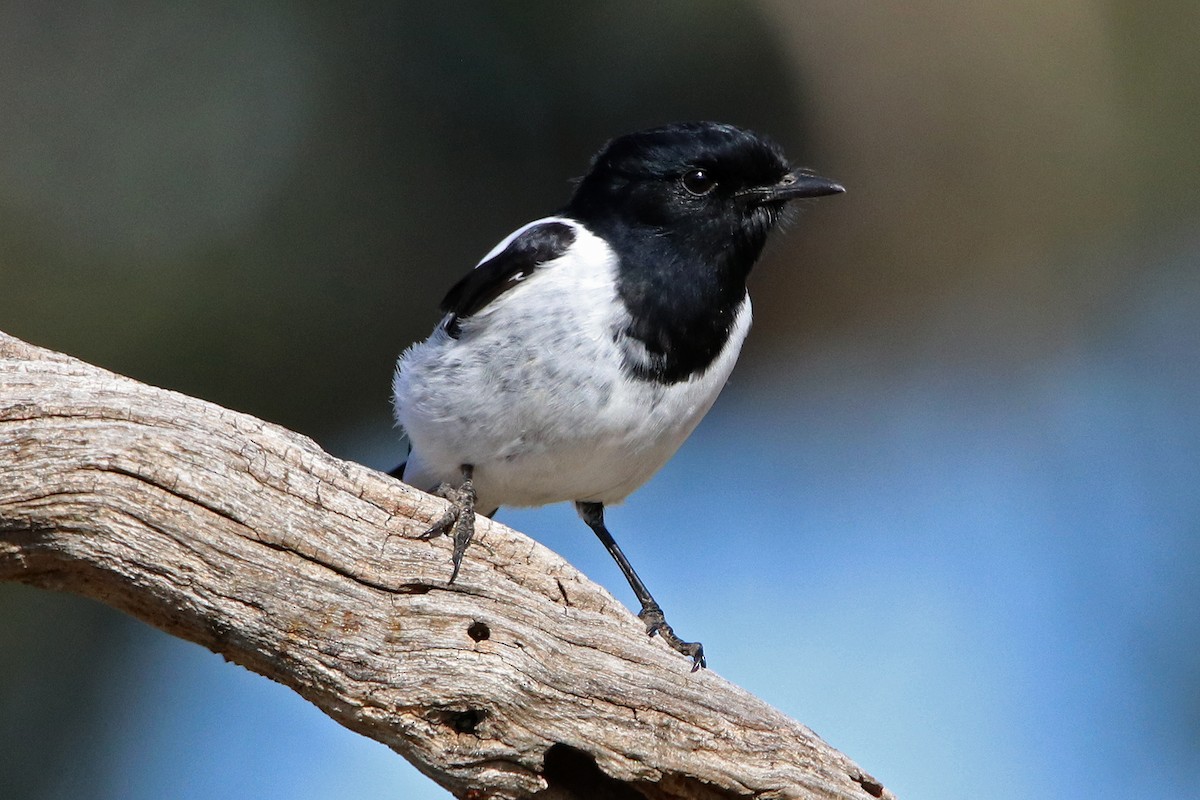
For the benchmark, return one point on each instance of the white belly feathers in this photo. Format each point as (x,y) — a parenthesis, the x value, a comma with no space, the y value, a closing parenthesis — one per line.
(540,423)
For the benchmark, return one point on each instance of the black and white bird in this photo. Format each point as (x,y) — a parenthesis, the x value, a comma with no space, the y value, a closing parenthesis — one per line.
(578,355)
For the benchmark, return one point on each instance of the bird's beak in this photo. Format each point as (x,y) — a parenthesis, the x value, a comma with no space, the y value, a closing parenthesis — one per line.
(795,185)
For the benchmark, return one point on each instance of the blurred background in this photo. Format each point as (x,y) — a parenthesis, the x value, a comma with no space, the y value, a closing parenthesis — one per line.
(947,512)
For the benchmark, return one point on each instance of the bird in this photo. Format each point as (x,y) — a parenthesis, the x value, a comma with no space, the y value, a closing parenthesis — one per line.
(577,356)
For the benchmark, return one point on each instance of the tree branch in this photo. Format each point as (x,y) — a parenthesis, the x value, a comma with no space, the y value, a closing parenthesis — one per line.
(521,679)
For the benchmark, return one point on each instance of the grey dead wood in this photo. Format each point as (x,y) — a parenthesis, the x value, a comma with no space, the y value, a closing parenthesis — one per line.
(523,679)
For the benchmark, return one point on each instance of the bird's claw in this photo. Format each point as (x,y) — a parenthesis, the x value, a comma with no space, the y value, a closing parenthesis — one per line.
(442,526)
(459,518)
(656,625)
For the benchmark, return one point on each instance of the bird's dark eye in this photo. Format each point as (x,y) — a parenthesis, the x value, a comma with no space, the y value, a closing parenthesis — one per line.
(699,182)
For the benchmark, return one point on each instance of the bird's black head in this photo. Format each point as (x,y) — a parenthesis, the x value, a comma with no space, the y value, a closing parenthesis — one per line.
(686,208)
(712,188)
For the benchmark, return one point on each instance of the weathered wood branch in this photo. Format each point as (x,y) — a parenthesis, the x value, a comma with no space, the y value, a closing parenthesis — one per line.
(523,679)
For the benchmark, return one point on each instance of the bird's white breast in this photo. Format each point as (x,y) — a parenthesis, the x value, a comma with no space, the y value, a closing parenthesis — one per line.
(533,393)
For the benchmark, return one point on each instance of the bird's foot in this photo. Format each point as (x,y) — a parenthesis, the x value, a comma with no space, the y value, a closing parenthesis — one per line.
(459,519)
(656,623)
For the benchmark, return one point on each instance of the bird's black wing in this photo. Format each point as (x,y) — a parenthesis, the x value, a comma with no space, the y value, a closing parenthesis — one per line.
(506,269)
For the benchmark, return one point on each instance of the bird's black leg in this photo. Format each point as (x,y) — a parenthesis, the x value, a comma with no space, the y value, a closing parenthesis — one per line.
(460,516)
(651,613)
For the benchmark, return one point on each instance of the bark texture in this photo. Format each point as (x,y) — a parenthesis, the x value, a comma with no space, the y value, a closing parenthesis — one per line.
(522,679)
